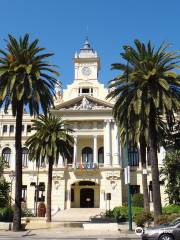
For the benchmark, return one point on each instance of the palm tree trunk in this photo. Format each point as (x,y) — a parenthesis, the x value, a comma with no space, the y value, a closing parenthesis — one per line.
(49,190)
(154,164)
(18,168)
(144,175)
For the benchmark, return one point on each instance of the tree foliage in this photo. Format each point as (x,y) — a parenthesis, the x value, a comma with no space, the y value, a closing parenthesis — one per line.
(171,174)
(147,80)
(51,139)
(26,76)
(27,80)
(4,186)
(146,89)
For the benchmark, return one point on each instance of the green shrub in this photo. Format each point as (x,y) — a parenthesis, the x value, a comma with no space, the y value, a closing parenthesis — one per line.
(173,216)
(121,213)
(137,200)
(6,214)
(162,219)
(167,218)
(27,213)
(142,218)
(136,210)
(4,193)
(171,209)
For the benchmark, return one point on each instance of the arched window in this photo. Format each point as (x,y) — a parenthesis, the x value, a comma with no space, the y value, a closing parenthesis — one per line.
(87,155)
(25,157)
(101,155)
(6,155)
(133,155)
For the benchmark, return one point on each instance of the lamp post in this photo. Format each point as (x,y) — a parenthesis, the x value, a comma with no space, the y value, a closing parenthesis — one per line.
(36,189)
(128,165)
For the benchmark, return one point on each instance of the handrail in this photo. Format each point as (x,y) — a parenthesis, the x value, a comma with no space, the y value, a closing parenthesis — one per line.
(86,166)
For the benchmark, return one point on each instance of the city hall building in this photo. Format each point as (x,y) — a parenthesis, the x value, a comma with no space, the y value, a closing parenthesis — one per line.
(94,177)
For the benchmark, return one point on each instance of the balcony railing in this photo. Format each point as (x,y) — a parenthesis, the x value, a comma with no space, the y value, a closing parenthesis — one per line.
(86,166)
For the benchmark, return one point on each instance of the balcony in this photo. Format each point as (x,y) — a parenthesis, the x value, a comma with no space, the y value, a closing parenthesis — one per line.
(86,168)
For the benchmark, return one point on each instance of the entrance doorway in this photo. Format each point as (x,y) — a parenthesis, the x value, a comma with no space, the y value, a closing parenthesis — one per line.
(87,198)
(85,194)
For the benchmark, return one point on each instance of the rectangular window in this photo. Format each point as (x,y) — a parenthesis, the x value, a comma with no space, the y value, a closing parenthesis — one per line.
(28,128)
(133,155)
(135,189)
(25,157)
(11,128)
(41,191)
(24,193)
(4,128)
(22,128)
(85,90)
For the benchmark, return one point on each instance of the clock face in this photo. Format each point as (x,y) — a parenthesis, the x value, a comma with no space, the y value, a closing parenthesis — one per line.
(86,71)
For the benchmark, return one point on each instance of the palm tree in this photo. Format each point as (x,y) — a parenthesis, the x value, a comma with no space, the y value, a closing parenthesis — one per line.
(152,91)
(133,133)
(143,151)
(26,81)
(51,139)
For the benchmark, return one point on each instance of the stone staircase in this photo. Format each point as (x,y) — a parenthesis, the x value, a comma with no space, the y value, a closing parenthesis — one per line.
(76,214)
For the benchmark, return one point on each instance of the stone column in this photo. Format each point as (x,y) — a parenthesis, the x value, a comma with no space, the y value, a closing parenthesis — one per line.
(60,161)
(8,130)
(95,150)
(75,151)
(68,197)
(107,143)
(116,146)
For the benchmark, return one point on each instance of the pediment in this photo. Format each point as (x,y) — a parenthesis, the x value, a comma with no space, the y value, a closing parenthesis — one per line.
(84,103)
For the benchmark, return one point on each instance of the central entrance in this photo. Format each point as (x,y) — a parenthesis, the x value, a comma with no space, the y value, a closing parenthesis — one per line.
(87,198)
(85,194)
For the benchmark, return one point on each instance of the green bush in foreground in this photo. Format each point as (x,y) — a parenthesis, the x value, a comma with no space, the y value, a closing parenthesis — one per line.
(170,213)
(171,209)
(4,193)
(121,213)
(167,218)
(141,219)
(137,200)
(27,213)
(6,214)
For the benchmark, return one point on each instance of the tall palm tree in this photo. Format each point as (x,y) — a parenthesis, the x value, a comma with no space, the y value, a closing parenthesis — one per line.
(152,90)
(143,154)
(133,133)
(26,81)
(52,138)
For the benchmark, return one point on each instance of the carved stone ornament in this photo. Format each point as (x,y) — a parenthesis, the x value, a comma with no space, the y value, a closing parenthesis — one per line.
(85,105)
(113,184)
(56,184)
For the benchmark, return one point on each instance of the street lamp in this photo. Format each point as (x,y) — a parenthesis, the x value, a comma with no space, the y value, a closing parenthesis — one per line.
(35,184)
(12,177)
(128,161)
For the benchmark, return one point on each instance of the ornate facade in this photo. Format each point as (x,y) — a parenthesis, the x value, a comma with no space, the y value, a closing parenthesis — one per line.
(96,168)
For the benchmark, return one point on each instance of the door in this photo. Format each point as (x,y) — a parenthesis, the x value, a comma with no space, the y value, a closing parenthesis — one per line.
(87,198)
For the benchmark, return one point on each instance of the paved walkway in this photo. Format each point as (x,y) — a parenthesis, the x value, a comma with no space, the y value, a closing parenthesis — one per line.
(67,224)
(47,234)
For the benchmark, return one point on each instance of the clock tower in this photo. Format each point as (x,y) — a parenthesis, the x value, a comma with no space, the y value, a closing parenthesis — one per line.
(86,69)
(86,63)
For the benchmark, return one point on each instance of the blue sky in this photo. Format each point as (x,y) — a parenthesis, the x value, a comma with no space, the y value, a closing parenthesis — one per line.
(61,27)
